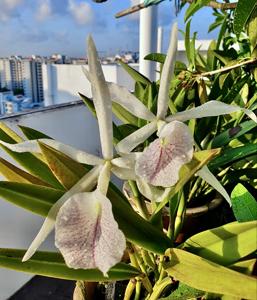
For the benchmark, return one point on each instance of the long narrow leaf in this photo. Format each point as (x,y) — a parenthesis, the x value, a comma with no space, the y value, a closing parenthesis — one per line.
(35,198)
(205,275)
(226,244)
(13,173)
(66,170)
(51,264)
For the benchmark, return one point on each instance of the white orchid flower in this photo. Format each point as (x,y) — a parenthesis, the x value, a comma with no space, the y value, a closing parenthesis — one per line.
(160,162)
(86,232)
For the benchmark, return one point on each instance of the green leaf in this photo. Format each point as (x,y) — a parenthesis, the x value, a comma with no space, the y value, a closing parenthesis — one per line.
(231,155)
(9,133)
(32,134)
(126,129)
(135,74)
(158,57)
(251,29)
(136,229)
(242,13)
(233,133)
(89,103)
(124,115)
(30,162)
(205,275)
(194,7)
(245,266)
(187,40)
(67,171)
(35,166)
(13,173)
(51,264)
(226,244)
(184,292)
(243,204)
(35,198)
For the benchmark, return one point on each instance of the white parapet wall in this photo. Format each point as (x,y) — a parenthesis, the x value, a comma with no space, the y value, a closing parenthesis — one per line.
(70,123)
(61,83)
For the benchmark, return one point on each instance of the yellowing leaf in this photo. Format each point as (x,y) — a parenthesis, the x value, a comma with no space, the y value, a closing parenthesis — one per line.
(13,173)
(207,276)
(226,244)
(66,170)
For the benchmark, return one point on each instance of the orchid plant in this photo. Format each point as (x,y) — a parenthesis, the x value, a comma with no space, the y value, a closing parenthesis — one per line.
(96,227)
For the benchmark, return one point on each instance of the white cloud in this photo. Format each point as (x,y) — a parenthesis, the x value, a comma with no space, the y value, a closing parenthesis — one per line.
(44,10)
(8,9)
(81,12)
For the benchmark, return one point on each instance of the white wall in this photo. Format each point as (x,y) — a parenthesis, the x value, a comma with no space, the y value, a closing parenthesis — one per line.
(63,82)
(73,125)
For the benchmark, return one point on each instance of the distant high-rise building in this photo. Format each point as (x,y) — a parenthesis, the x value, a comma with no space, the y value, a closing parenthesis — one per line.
(16,72)
(5,74)
(32,79)
(23,75)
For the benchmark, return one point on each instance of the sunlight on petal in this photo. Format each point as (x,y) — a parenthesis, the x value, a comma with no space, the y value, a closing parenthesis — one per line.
(127,100)
(101,99)
(126,160)
(151,192)
(32,146)
(87,233)
(85,184)
(104,178)
(161,161)
(136,138)
(167,73)
(210,109)
(124,173)
(27,146)
(207,176)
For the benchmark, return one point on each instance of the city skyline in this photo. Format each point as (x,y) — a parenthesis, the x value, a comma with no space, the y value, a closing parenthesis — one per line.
(43,27)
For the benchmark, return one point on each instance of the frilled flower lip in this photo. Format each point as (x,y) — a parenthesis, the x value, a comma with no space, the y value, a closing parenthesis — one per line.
(87,234)
(161,161)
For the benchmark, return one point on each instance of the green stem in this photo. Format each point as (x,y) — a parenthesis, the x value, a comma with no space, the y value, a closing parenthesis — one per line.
(159,288)
(180,216)
(130,289)
(138,290)
(138,200)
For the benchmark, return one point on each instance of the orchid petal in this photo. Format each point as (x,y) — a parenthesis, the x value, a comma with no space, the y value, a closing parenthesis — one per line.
(166,75)
(86,183)
(136,138)
(153,193)
(87,233)
(126,160)
(33,146)
(206,175)
(127,100)
(161,161)
(86,73)
(210,109)
(101,99)
(104,178)
(124,173)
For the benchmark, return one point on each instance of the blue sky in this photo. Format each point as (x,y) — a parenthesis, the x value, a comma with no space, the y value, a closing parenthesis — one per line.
(60,26)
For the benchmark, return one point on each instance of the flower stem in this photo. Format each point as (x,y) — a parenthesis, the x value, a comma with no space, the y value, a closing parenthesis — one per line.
(138,290)
(138,200)
(158,288)
(130,289)
(225,69)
